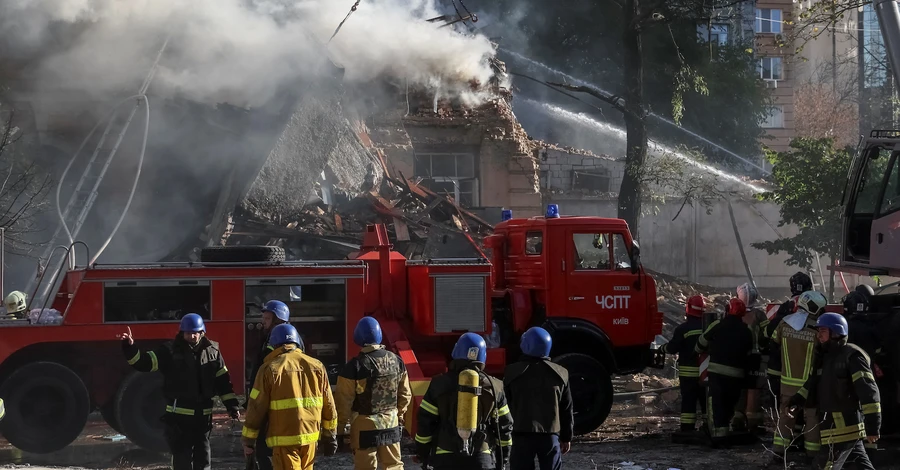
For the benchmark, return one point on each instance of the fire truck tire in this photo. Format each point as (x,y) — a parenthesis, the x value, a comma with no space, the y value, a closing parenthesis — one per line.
(242,254)
(47,406)
(108,412)
(592,390)
(140,406)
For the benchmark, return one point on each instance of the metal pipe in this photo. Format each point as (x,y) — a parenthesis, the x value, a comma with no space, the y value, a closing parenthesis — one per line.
(888,15)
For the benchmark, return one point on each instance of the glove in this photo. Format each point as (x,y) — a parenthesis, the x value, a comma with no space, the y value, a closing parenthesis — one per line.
(423,452)
(329,445)
(796,401)
(235,414)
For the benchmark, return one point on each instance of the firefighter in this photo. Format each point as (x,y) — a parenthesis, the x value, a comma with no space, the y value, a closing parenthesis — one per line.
(729,343)
(843,383)
(193,374)
(865,333)
(683,342)
(292,395)
(800,282)
(15,304)
(463,419)
(749,415)
(274,312)
(795,338)
(372,397)
(540,402)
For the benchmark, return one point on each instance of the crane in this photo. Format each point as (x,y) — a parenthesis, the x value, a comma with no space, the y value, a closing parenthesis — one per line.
(870,242)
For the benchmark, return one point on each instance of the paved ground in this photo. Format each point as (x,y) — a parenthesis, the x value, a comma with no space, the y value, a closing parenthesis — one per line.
(635,437)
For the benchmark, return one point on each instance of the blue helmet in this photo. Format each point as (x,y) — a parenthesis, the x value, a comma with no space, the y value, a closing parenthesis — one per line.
(367,331)
(279,309)
(192,323)
(283,334)
(536,342)
(470,346)
(834,322)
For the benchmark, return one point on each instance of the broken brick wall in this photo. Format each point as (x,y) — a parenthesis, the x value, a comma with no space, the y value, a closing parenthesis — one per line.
(483,152)
(580,171)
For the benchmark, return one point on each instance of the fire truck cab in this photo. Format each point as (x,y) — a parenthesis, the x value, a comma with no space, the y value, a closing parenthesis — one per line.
(579,277)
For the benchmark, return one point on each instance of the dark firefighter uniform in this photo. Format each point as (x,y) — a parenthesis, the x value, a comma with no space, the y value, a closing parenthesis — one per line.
(192,377)
(843,383)
(683,342)
(372,395)
(541,404)
(729,343)
(437,440)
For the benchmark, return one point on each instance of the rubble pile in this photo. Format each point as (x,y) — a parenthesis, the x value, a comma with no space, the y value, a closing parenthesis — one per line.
(673,292)
(420,223)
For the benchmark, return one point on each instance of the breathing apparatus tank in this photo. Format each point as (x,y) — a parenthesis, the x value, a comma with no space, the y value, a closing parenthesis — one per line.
(467,407)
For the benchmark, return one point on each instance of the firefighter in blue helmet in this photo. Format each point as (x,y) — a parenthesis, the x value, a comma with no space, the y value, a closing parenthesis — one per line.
(463,418)
(540,402)
(845,394)
(193,374)
(274,313)
(372,397)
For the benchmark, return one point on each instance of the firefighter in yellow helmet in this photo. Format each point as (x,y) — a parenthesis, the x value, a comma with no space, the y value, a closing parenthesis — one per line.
(15,304)
(292,391)
(372,396)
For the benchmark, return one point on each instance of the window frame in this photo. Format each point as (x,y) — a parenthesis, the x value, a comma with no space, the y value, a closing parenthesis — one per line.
(772,59)
(131,283)
(780,108)
(456,179)
(772,22)
(891,172)
(609,264)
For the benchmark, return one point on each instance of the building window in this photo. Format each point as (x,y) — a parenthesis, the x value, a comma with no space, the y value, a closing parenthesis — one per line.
(775,120)
(768,20)
(770,68)
(716,34)
(451,174)
(594,180)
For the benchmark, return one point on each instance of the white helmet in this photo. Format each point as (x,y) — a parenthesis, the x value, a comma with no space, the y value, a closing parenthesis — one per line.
(15,302)
(812,301)
(748,294)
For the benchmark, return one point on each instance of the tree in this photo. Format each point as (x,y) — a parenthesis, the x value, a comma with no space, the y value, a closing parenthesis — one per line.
(809,181)
(23,186)
(647,56)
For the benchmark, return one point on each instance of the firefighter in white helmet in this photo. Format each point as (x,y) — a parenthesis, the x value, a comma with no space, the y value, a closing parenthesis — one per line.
(15,304)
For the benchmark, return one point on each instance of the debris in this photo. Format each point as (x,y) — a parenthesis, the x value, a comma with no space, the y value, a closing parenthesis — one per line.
(648,399)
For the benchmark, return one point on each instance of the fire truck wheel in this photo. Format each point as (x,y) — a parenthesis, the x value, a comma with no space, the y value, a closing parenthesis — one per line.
(140,405)
(47,406)
(592,391)
(108,412)
(242,254)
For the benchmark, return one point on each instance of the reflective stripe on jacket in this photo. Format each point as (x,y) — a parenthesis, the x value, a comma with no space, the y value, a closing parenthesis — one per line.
(292,390)
(729,342)
(797,354)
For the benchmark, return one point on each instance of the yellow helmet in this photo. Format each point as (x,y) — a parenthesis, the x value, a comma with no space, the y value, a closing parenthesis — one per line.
(15,302)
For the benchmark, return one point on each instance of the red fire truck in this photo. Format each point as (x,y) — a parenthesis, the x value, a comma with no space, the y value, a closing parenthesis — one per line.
(579,277)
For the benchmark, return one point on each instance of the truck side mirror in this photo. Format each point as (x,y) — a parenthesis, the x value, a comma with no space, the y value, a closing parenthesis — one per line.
(635,257)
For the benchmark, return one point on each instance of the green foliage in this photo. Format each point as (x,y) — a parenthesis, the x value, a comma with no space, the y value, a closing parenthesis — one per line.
(809,182)
(713,91)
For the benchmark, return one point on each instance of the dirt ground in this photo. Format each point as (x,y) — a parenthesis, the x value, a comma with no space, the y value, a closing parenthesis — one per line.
(635,437)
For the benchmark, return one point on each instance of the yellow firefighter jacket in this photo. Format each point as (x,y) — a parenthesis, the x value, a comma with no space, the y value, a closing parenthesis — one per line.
(372,395)
(293,390)
(796,349)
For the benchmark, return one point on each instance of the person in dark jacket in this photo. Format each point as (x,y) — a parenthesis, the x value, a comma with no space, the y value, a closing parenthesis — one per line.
(683,342)
(438,441)
(193,374)
(274,313)
(729,342)
(541,405)
(846,396)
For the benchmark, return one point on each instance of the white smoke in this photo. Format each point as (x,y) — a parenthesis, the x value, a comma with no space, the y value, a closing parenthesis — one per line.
(239,51)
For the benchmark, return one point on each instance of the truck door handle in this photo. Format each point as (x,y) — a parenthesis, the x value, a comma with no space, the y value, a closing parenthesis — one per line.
(880,238)
(576,298)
